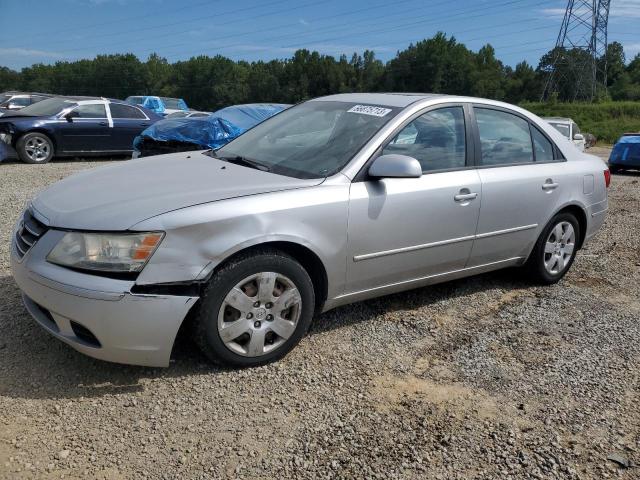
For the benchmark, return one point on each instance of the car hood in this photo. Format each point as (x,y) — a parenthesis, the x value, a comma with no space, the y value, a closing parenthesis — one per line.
(118,196)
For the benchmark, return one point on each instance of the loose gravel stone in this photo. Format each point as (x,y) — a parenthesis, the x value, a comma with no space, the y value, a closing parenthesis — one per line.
(486,377)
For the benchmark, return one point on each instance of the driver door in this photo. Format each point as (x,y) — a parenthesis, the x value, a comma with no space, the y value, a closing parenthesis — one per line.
(87,131)
(404,229)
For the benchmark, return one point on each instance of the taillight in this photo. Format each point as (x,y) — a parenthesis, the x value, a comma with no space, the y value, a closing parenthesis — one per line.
(607,178)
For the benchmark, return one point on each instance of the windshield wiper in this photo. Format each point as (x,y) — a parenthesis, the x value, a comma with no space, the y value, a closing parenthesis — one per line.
(247,162)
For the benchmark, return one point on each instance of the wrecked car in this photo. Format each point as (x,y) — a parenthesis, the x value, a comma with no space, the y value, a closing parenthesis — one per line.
(199,133)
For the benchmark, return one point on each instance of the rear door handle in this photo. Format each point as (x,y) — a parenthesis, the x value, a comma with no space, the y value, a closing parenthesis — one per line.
(104,124)
(549,184)
(144,124)
(461,197)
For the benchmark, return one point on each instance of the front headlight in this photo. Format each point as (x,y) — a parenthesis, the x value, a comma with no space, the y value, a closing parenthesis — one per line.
(105,252)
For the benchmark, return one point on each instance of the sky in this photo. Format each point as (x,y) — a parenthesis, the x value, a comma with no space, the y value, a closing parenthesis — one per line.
(48,31)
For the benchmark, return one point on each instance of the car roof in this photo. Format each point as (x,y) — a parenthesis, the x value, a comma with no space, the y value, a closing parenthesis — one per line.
(388,99)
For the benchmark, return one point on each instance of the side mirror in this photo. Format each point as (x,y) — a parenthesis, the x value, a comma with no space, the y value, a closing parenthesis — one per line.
(578,136)
(395,166)
(71,115)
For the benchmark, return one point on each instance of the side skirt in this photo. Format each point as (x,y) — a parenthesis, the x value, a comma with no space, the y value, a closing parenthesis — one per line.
(420,282)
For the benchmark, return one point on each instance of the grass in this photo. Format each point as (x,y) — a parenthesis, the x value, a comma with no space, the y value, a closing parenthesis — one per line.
(607,120)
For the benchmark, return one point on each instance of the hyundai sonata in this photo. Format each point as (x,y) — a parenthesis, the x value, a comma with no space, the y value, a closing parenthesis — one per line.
(335,200)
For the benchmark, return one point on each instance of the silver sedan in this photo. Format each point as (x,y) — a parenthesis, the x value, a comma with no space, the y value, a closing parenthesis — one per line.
(333,201)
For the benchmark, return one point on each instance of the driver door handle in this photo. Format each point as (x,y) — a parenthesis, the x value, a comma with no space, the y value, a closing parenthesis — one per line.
(549,184)
(104,124)
(461,197)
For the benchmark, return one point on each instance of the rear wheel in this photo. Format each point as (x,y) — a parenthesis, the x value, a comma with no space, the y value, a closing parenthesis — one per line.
(555,249)
(35,147)
(255,310)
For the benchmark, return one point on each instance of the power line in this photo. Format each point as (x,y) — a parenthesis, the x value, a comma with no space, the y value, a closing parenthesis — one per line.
(120,20)
(278,27)
(462,11)
(190,20)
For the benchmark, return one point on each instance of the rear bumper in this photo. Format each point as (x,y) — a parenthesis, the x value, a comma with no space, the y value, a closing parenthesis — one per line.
(124,328)
(631,163)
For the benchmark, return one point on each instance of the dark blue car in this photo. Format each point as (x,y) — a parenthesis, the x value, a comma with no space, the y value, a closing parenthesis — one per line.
(625,153)
(72,126)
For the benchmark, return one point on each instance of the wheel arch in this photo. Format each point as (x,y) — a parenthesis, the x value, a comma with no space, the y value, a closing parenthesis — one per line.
(581,215)
(304,255)
(41,130)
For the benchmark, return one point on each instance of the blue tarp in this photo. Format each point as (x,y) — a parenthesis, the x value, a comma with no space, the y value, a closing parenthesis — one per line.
(249,115)
(626,152)
(154,104)
(207,132)
(213,131)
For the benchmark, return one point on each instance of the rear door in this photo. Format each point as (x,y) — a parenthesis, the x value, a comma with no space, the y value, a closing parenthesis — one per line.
(523,182)
(87,131)
(128,122)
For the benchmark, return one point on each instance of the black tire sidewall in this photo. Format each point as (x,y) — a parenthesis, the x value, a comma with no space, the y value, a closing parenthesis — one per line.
(22,151)
(206,331)
(537,258)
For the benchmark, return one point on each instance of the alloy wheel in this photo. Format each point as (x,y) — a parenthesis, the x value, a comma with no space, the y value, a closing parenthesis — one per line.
(37,148)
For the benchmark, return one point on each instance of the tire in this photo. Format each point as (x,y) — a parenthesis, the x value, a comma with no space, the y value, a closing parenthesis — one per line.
(35,147)
(540,266)
(248,334)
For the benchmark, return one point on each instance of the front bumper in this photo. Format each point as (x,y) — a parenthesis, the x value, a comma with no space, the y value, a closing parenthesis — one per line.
(6,150)
(126,328)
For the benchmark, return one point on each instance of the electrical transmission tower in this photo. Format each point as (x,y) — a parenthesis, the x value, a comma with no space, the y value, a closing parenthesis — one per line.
(578,68)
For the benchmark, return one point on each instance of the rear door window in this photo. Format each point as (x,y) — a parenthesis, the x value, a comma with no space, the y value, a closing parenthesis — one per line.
(504,137)
(542,146)
(119,110)
(95,110)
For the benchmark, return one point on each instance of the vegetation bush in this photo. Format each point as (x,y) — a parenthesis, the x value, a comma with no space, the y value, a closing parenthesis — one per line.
(606,120)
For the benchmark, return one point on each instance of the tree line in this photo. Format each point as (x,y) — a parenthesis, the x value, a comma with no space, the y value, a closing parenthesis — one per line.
(439,65)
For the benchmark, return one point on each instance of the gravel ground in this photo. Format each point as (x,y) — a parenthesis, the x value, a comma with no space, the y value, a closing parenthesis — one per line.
(485,377)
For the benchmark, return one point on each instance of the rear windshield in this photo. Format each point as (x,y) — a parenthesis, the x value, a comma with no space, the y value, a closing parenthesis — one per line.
(134,100)
(48,107)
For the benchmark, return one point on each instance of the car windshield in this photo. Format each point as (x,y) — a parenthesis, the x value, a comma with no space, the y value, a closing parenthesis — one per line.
(177,114)
(312,140)
(563,128)
(134,100)
(4,98)
(48,107)
(171,103)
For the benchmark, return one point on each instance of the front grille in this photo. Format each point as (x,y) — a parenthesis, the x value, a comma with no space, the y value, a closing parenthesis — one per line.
(28,233)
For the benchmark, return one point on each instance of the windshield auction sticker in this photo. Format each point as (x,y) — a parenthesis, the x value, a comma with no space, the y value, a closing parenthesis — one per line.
(369,110)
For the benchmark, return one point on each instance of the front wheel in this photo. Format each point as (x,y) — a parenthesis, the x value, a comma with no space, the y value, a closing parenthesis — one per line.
(555,250)
(35,147)
(254,310)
